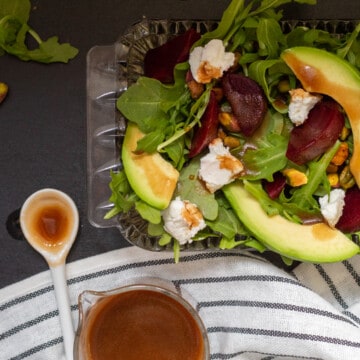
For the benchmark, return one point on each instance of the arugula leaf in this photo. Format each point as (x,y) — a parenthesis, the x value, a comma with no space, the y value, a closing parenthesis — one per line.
(146,102)
(236,14)
(267,73)
(351,48)
(268,158)
(271,207)
(167,114)
(227,224)
(18,8)
(122,196)
(226,23)
(190,188)
(14,30)
(270,37)
(302,200)
(176,152)
(303,197)
(147,212)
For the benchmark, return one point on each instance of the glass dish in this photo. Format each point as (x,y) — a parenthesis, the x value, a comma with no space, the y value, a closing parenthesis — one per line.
(110,70)
(166,302)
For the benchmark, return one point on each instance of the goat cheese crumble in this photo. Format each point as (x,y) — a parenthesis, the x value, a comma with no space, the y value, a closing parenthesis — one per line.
(219,167)
(301,103)
(332,206)
(183,220)
(210,62)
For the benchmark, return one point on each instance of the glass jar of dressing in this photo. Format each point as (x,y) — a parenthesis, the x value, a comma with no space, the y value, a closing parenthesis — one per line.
(139,321)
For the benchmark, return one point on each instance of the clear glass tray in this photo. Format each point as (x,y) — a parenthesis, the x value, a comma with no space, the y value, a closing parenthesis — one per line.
(110,70)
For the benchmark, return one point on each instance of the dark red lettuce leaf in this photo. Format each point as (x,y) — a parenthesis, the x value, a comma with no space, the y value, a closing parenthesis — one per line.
(247,100)
(317,134)
(207,132)
(159,62)
(350,219)
(275,187)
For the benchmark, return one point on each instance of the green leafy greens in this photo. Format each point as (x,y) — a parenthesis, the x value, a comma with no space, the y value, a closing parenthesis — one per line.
(14,31)
(166,114)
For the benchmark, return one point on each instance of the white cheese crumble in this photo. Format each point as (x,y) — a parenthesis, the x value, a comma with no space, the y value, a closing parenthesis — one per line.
(332,206)
(219,167)
(301,103)
(183,220)
(210,62)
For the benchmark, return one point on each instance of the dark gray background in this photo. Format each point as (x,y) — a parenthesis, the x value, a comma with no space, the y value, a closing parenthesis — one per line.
(43,120)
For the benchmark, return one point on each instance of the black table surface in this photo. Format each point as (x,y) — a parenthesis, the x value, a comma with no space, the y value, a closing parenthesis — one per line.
(43,119)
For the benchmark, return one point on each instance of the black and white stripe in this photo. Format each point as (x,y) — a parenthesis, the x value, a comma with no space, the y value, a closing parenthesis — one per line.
(252,310)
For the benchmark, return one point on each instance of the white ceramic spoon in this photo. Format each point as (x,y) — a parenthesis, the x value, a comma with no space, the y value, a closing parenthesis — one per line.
(49,220)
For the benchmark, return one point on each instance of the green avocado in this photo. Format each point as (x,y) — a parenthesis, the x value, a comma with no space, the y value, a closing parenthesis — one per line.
(317,243)
(326,73)
(152,178)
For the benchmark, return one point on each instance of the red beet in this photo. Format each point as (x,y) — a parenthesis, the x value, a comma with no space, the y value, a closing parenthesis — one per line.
(317,134)
(207,132)
(350,218)
(247,101)
(159,62)
(274,188)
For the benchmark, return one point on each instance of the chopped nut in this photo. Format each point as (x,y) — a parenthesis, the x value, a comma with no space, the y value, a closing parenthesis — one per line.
(295,177)
(344,133)
(196,89)
(231,142)
(341,155)
(283,86)
(3,91)
(346,178)
(333,180)
(219,93)
(332,168)
(221,133)
(229,122)
(235,66)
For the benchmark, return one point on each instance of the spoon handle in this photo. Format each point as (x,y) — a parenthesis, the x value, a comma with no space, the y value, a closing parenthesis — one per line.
(63,302)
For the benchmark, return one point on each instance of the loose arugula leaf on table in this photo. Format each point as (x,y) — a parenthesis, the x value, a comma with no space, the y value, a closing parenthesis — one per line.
(18,8)
(14,30)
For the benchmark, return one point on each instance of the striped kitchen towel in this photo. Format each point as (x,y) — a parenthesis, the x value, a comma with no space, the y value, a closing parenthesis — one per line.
(252,310)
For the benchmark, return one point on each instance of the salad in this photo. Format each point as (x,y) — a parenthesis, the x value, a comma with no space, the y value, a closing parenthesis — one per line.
(221,121)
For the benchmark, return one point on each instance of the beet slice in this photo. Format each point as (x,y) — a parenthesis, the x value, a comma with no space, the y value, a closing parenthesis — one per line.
(207,132)
(247,101)
(159,62)
(317,134)
(350,219)
(275,187)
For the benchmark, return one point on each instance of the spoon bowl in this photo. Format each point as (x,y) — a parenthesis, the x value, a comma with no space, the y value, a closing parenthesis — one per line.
(49,221)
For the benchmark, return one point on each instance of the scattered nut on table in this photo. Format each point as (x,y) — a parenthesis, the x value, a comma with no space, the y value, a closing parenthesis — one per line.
(3,91)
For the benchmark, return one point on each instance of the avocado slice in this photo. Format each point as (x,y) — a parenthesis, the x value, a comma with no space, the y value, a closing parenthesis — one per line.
(152,178)
(317,243)
(326,73)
